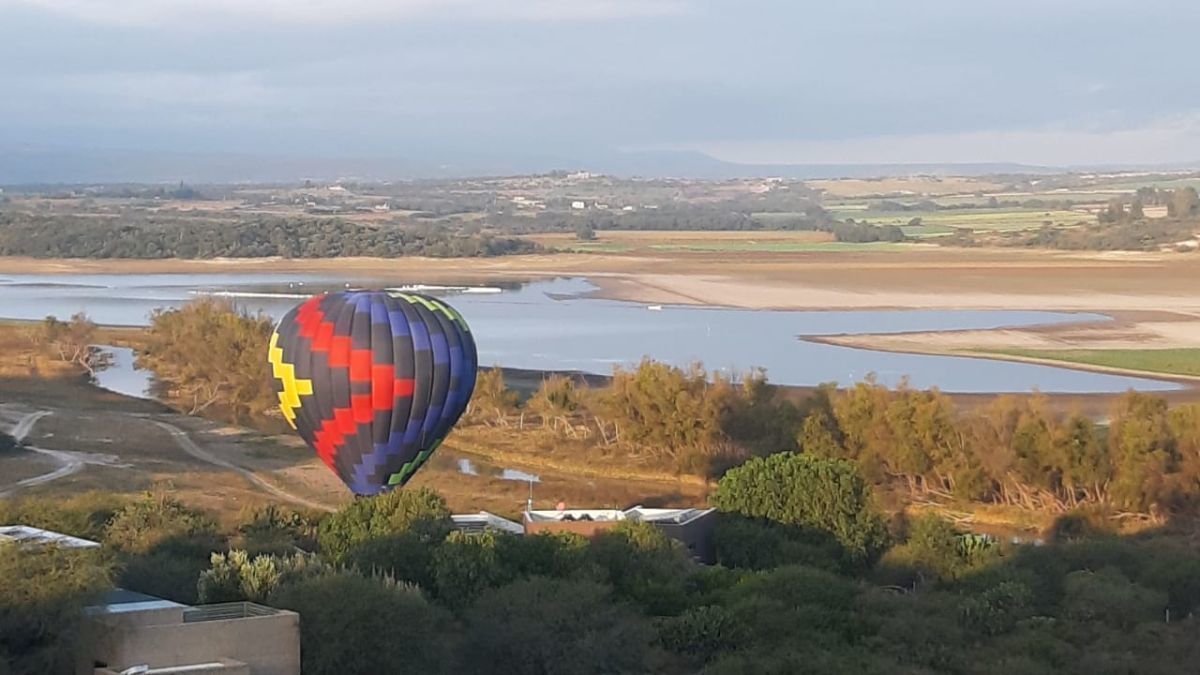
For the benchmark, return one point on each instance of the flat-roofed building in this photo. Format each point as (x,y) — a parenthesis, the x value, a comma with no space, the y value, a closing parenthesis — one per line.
(127,630)
(691,527)
(485,522)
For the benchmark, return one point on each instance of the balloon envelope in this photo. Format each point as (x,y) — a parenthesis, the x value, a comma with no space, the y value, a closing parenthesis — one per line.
(373,381)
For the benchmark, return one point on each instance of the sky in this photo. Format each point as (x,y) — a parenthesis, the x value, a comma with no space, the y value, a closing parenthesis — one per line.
(1046,82)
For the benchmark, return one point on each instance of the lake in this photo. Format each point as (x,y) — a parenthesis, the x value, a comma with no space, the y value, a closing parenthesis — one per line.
(558,325)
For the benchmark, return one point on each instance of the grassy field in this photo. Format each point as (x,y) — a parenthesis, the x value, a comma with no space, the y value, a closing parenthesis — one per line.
(940,223)
(1167,361)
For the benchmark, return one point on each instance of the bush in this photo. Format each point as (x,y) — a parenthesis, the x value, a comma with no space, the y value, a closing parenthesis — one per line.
(275,530)
(351,624)
(236,576)
(465,565)
(794,604)
(84,515)
(935,548)
(161,524)
(826,495)
(701,633)
(538,626)
(1109,597)
(997,609)
(644,566)
(556,555)
(423,513)
(164,575)
(404,556)
(759,544)
(42,596)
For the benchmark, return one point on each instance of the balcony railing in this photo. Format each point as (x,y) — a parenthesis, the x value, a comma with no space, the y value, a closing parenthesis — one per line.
(226,611)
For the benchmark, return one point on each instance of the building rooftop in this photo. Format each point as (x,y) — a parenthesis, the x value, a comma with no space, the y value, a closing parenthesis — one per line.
(485,522)
(33,536)
(678,516)
(574,514)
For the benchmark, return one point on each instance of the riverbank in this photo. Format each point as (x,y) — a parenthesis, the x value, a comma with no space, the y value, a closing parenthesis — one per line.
(1133,333)
(1149,295)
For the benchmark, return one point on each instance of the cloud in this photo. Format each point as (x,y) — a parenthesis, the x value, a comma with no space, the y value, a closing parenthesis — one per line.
(157,13)
(1166,140)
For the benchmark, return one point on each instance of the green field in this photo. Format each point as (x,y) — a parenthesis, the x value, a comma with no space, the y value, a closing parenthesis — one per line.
(940,223)
(1166,361)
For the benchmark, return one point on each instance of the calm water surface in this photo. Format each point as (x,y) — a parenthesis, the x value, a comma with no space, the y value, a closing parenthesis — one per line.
(555,325)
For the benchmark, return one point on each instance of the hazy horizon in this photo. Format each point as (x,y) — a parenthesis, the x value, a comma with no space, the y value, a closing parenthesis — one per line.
(542,84)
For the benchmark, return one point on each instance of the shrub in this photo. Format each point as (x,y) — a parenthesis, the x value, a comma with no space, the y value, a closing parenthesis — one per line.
(351,624)
(537,626)
(827,495)
(421,512)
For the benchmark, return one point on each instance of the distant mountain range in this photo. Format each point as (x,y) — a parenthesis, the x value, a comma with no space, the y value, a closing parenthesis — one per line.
(40,165)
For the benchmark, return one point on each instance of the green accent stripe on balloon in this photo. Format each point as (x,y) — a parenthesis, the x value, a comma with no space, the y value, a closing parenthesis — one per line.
(409,468)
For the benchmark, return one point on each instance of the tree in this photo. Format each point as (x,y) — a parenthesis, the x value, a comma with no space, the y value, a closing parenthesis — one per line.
(465,565)
(1183,203)
(492,402)
(827,495)
(644,566)
(211,353)
(42,597)
(73,341)
(352,624)
(539,626)
(160,523)
(423,513)
(584,232)
(236,576)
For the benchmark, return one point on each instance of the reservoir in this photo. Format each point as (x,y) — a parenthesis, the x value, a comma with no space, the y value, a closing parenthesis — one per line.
(558,324)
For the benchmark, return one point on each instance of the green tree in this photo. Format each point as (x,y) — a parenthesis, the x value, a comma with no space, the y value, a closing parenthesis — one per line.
(421,512)
(584,232)
(466,565)
(236,575)
(644,566)
(352,624)
(827,495)
(42,597)
(538,626)
(160,523)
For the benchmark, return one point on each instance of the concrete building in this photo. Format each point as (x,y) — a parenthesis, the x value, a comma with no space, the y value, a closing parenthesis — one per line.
(485,522)
(127,632)
(134,631)
(691,527)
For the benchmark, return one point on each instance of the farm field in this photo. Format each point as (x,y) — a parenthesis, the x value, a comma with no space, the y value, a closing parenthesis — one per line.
(1167,361)
(940,223)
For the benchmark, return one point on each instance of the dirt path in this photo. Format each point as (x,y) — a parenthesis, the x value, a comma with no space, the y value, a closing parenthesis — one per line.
(189,446)
(68,463)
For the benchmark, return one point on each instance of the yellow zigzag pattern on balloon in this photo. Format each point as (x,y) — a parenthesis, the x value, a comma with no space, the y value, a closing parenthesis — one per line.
(293,388)
(434,305)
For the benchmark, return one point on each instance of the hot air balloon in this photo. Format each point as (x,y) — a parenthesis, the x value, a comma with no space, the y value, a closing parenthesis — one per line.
(373,381)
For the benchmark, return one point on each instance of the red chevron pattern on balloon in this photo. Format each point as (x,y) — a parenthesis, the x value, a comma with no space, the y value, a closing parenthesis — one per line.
(373,381)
